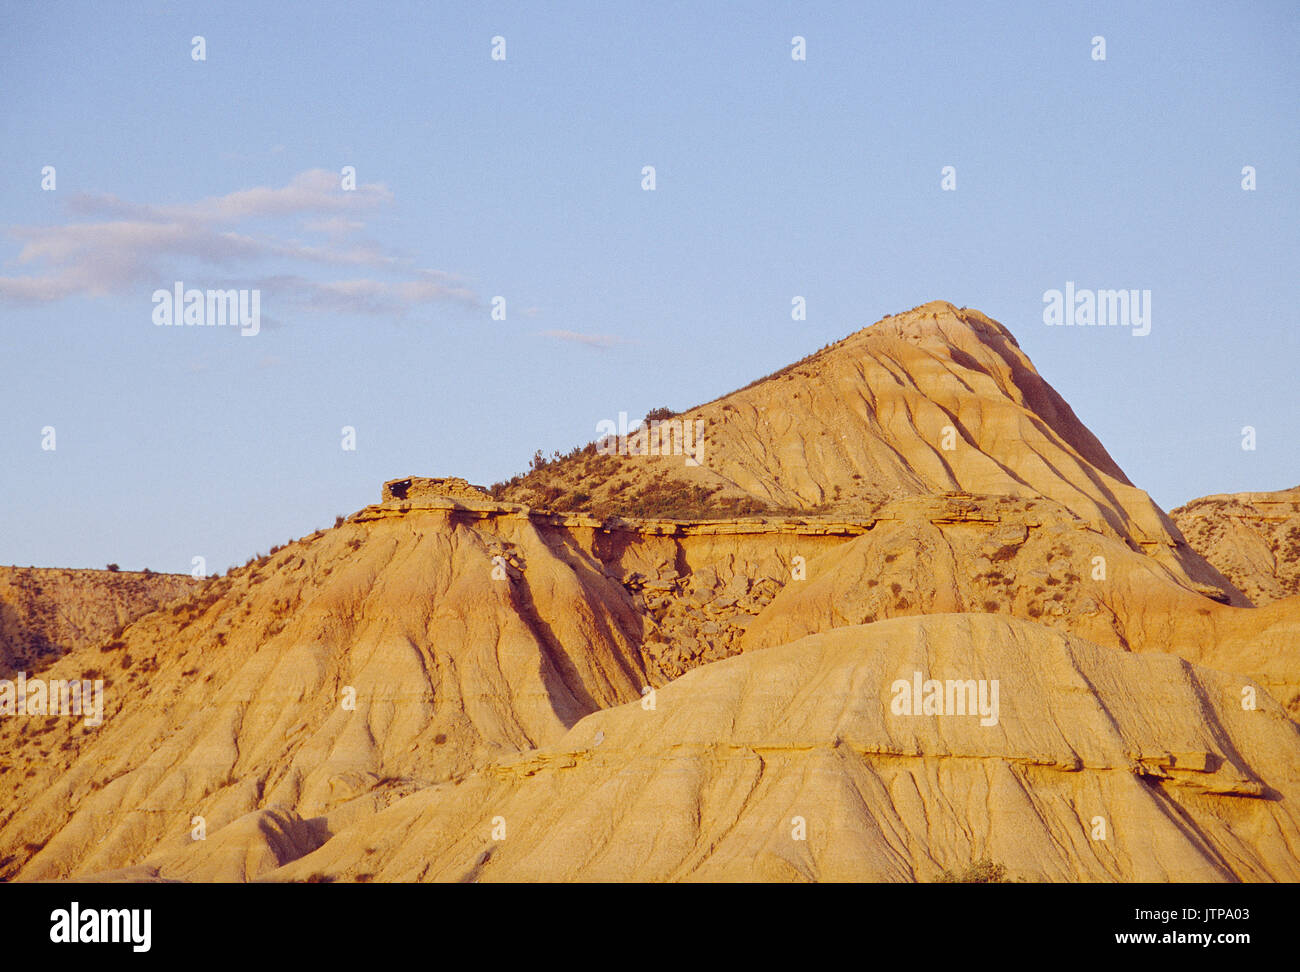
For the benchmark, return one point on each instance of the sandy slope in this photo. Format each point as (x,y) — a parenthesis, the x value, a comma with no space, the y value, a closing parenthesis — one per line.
(708,785)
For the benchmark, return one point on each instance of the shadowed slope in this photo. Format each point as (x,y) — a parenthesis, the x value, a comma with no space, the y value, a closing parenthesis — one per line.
(351,660)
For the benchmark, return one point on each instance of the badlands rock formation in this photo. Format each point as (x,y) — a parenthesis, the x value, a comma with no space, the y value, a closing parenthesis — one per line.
(456,686)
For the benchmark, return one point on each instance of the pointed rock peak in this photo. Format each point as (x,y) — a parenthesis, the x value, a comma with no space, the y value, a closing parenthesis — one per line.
(941,322)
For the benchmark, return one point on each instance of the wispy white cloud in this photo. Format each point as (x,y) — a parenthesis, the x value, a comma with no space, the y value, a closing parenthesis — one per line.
(121,246)
(315,192)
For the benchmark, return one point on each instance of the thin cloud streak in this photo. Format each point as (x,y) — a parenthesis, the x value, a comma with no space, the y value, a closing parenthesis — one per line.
(591,340)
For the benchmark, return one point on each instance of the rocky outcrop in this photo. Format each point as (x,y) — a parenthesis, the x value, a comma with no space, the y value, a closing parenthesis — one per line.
(424,487)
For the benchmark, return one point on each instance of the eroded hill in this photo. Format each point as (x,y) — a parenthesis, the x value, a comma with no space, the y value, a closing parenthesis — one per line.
(939,399)
(650,698)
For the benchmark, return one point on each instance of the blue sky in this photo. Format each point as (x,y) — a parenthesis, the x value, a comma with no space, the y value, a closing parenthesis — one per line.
(522,178)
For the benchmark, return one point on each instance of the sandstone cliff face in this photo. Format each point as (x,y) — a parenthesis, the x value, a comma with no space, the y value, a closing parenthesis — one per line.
(47,611)
(1253,539)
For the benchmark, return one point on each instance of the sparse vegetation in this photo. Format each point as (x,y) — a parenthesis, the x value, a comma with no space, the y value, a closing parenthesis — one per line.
(585,481)
(983,871)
